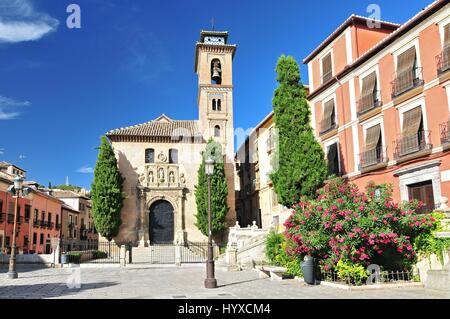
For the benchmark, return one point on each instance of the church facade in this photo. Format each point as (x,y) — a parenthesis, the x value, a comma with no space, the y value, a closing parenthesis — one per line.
(159,159)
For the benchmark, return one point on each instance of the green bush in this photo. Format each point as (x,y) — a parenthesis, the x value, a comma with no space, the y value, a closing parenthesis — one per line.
(74,257)
(274,243)
(426,244)
(351,273)
(97,254)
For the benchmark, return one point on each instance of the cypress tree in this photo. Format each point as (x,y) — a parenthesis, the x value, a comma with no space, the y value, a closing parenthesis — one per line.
(106,194)
(300,166)
(219,191)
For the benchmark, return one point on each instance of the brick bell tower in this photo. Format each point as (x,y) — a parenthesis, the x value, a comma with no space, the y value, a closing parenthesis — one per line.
(214,67)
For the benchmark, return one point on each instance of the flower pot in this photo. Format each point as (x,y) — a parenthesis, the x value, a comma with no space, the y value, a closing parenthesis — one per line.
(308,270)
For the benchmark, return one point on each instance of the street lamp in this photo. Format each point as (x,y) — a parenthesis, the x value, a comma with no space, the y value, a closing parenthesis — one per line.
(17,190)
(210,281)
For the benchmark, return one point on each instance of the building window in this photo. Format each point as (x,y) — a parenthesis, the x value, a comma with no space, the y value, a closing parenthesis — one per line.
(214,105)
(219,105)
(76,220)
(217,131)
(41,239)
(373,149)
(173,156)
(333,160)
(57,220)
(413,136)
(34,238)
(7,240)
(149,156)
(423,192)
(1,206)
(25,241)
(327,68)
(370,97)
(49,218)
(43,216)
(444,58)
(36,215)
(329,117)
(27,212)
(408,74)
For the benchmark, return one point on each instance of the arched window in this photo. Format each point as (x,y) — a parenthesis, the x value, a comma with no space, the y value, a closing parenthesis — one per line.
(216,72)
(173,156)
(149,156)
(219,105)
(217,131)
(214,104)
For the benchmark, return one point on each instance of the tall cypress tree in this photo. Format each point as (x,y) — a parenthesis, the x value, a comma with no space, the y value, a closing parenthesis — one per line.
(219,191)
(301,167)
(106,193)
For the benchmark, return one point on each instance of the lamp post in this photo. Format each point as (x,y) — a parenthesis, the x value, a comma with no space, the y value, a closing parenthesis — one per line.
(18,183)
(210,281)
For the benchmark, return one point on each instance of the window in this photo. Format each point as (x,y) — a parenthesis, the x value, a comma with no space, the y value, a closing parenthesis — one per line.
(444,63)
(373,150)
(34,238)
(1,206)
(219,105)
(57,220)
(10,208)
(329,117)
(412,131)
(327,68)
(149,156)
(7,240)
(27,212)
(214,105)
(82,207)
(422,192)
(76,220)
(70,219)
(333,160)
(369,95)
(217,131)
(407,76)
(173,156)
(49,216)
(36,215)
(25,240)
(41,239)
(43,216)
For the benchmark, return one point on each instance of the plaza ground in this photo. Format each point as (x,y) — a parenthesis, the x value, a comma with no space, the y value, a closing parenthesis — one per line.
(170,282)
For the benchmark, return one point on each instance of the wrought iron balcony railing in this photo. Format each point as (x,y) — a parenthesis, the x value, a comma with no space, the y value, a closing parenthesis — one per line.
(57,226)
(36,223)
(43,223)
(368,103)
(373,157)
(406,81)
(444,129)
(443,61)
(406,145)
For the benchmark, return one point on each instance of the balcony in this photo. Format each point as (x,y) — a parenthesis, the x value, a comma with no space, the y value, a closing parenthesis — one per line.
(443,63)
(368,106)
(410,82)
(57,226)
(373,159)
(42,223)
(50,225)
(327,129)
(11,219)
(445,135)
(413,146)
(36,223)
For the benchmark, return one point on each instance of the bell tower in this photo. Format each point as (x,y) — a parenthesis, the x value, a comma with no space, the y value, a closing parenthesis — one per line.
(214,67)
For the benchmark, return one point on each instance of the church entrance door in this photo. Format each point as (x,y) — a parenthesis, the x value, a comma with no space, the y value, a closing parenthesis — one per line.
(161,223)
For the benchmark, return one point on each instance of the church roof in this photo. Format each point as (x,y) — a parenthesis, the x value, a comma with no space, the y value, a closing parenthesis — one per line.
(162,126)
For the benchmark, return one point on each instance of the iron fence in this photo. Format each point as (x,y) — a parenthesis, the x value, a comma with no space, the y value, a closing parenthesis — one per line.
(443,61)
(406,81)
(373,157)
(409,144)
(445,132)
(368,103)
(90,251)
(382,277)
(185,253)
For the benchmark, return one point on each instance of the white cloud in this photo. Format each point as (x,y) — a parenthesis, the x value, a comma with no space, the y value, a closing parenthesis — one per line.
(19,22)
(8,108)
(86,170)
(2,151)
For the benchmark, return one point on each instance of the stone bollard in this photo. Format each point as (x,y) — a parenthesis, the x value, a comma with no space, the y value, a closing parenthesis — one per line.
(232,259)
(123,256)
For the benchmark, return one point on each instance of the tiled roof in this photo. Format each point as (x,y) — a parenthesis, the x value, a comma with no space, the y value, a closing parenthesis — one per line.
(160,127)
(66,194)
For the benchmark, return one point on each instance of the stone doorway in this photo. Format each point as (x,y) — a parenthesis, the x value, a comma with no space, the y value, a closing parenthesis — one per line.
(161,222)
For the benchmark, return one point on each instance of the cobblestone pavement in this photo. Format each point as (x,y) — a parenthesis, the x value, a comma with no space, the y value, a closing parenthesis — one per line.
(175,283)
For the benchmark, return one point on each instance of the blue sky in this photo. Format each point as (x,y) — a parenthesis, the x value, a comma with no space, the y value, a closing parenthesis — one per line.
(61,89)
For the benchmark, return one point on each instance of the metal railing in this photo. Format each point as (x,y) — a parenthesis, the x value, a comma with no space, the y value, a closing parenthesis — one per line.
(406,145)
(367,104)
(90,251)
(42,223)
(443,61)
(382,277)
(57,226)
(445,132)
(406,81)
(11,219)
(36,223)
(188,252)
(373,157)
(325,127)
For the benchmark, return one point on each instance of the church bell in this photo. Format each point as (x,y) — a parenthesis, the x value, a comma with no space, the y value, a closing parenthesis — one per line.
(216,72)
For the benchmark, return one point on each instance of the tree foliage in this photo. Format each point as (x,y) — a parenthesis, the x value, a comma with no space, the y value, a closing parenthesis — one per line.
(219,191)
(106,193)
(299,161)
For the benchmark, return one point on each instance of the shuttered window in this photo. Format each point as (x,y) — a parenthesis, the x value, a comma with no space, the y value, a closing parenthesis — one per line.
(372,152)
(368,92)
(328,116)
(447,36)
(333,160)
(327,71)
(406,73)
(446,53)
(412,121)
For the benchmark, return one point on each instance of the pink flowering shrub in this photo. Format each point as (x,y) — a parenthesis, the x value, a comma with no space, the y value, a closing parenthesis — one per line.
(343,223)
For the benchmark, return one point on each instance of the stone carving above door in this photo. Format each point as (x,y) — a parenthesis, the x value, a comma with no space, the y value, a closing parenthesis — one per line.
(162,175)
